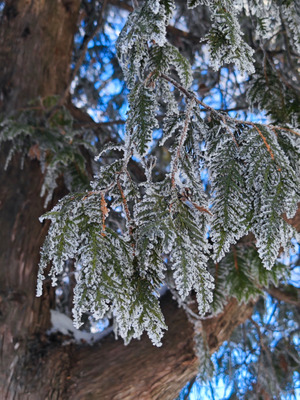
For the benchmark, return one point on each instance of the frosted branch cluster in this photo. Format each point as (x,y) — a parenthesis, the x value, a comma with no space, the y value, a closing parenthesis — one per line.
(173,232)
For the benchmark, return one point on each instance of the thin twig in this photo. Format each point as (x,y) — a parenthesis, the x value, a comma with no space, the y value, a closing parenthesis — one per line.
(219,115)
(280,128)
(191,315)
(105,212)
(236,265)
(266,350)
(135,4)
(282,296)
(189,388)
(85,47)
(125,205)
(229,131)
(264,140)
(93,124)
(92,192)
(79,62)
(159,118)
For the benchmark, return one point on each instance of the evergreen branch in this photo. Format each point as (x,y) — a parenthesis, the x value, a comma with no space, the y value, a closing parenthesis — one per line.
(181,141)
(172,30)
(219,115)
(125,205)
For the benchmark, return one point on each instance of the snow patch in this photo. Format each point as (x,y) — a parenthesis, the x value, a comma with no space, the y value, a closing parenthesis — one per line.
(62,323)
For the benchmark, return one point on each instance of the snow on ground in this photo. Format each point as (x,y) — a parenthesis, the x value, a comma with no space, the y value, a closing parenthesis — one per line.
(62,323)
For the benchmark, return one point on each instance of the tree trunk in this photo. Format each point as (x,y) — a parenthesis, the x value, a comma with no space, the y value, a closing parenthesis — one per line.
(23,317)
(36,39)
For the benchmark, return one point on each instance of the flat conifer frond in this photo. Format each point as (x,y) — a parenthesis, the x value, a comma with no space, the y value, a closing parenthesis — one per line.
(174,230)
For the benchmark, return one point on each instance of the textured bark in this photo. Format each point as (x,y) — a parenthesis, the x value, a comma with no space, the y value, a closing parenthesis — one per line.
(22,315)
(36,38)
(140,371)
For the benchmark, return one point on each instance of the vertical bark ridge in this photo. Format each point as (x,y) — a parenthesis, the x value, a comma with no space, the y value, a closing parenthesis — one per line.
(36,40)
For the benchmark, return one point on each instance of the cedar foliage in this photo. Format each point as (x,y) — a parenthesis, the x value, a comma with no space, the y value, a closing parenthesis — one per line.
(253,183)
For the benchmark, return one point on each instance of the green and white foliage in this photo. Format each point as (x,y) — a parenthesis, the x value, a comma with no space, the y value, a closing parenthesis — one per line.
(141,117)
(273,88)
(273,188)
(166,226)
(253,184)
(54,142)
(108,279)
(167,229)
(146,25)
(225,39)
(291,14)
(231,206)
(241,274)
(265,15)
(269,15)
(163,58)
(280,102)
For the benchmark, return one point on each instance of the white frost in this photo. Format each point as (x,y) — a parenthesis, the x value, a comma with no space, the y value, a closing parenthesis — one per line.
(62,323)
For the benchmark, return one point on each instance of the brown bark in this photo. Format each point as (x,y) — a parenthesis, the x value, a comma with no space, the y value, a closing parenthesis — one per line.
(36,39)
(141,371)
(289,294)
(22,315)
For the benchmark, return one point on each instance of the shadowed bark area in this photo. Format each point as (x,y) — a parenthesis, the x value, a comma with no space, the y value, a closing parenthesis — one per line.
(22,315)
(111,370)
(140,371)
(36,40)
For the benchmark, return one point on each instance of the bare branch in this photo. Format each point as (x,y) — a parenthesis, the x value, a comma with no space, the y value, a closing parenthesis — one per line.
(191,95)
(290,298)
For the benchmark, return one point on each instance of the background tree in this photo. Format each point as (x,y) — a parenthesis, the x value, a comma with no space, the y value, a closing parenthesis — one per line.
(139,211)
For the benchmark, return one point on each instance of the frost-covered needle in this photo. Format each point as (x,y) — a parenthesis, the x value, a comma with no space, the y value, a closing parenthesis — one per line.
(192,205)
